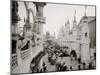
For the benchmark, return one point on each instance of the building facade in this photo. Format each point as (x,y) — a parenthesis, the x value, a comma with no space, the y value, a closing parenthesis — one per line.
(26,46)
(81,38)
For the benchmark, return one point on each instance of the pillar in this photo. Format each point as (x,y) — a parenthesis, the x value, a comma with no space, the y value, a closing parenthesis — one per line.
(15,19)
(39,21)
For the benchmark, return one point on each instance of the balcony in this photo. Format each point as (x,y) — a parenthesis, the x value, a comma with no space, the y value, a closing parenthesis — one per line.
(39,19)
(14,63)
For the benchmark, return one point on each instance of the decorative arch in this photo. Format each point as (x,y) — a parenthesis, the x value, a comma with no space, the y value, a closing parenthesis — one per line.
(28,11)
(31,11)
(73,54)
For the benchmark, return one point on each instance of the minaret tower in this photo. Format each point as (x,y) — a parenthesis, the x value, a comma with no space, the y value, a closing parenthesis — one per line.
(74,21)
(85,52)
(85,10)
(67,26)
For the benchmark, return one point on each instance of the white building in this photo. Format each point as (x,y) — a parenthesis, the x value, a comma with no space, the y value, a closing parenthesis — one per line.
(88,37)
(70,38)
(78,38)
(22,56)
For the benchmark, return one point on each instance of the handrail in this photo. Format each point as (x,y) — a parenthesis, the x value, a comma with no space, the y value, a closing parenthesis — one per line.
(25,54)
(14,63)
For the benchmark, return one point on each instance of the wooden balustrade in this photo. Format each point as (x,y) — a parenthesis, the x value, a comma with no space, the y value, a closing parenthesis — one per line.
(14,62)
(25,54)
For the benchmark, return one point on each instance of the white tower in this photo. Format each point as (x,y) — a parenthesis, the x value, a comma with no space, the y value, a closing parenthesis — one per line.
(74,21)
(67,26)
(74,28)
(85,52)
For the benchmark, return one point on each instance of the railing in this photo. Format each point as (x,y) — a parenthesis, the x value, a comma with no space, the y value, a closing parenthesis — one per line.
(25,54)
(14,62)
(39,19)
(35,61)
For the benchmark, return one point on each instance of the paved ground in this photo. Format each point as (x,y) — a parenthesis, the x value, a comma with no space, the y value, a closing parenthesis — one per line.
(68,62)
(49,66)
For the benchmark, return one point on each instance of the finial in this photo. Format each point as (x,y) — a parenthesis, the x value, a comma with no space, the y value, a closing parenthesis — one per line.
(75,16)
(75,12)
(68,21)
(24,20)
(85,9)
(54,33)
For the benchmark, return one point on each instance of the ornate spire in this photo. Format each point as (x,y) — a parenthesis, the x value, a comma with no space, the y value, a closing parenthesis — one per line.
(24,20)
(67,25)
(68,21)
(85,10)
(54,34)
(85,16)
(75,17)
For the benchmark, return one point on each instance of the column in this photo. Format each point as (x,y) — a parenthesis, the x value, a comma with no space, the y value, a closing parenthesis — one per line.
(15,19)
(39,21)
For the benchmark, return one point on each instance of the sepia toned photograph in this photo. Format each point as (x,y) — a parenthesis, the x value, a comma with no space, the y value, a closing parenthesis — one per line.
(52,37)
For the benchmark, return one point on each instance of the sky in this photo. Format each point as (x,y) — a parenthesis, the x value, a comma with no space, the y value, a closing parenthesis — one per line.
(57,15)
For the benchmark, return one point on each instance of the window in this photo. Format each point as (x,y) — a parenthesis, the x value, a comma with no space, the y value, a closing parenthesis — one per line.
(86,35)
(14,42)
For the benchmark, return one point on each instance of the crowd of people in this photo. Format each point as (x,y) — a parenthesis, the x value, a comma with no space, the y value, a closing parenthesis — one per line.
(43,69)
(61,67)
(54,53)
